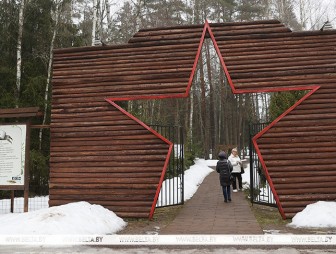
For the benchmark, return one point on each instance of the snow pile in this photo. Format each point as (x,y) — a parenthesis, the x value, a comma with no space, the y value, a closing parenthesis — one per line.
(79,218)
(194,176)
(318,215)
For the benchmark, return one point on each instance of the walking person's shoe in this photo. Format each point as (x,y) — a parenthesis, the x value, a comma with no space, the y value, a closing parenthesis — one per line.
(229,199)
(225,201)
(235,190)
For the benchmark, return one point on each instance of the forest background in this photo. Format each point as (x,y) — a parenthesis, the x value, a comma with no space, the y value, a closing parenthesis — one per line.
(212,117)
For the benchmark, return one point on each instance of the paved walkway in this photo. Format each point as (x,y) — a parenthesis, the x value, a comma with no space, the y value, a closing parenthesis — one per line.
(206,213)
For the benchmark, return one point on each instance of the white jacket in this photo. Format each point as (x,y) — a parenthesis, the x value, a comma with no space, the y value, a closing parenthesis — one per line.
(235,161)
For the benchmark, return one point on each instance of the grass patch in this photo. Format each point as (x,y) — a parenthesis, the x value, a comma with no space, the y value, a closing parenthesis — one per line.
(166,214)
(267,215)
(162,217)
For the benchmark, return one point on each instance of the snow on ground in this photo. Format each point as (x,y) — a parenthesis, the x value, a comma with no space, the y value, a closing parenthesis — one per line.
(78,218)
(318,215)
(194,176)
(82,218)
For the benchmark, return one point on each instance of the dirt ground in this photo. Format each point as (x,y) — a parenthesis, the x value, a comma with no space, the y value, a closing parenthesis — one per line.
(162,217)
(268,217)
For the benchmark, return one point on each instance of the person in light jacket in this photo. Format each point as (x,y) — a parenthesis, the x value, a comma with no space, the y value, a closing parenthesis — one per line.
(236,172)
(224,169)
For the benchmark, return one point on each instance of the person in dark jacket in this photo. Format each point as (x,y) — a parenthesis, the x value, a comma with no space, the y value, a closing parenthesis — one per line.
(224,169)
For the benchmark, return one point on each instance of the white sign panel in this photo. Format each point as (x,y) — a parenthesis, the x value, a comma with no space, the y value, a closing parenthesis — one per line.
(12,154)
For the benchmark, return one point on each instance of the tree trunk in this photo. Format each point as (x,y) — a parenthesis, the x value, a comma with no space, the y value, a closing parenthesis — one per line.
(94,23)
(19,54)
(109,19)
(140,6)
(100,14)
(204,121)
(191,114)
(211,116)
(56,15)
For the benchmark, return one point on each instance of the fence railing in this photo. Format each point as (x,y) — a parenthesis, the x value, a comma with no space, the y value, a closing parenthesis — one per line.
(172,190)
(34,203)
(260,191)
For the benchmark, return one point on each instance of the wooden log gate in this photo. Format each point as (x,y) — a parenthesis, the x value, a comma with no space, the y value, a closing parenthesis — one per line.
(102,154)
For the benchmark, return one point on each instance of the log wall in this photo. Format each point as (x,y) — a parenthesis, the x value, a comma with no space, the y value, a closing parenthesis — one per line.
(101,154)
(298,151)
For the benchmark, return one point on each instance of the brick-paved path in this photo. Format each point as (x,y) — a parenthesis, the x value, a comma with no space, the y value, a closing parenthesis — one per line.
(206,213)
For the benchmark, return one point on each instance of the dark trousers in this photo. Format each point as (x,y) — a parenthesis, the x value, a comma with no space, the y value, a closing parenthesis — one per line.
(226,192)
(240,183)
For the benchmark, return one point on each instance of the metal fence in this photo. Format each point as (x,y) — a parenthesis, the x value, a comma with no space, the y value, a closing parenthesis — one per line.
(172,190)
(17,205)
(260,191)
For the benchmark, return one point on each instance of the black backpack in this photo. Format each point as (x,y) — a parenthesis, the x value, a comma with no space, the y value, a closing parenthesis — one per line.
(225,169)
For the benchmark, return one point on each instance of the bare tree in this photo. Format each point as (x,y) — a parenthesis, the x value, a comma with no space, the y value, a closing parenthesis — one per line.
(19,53)
(55,14)
(109,18)
(94,22)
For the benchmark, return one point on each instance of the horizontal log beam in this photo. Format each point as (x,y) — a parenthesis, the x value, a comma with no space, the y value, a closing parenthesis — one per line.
(310,197)
(171,36)
(79,94)
(136,174)
(276,129)
(286,73)
(322,180)
(84,181)
(302,204)
(128,84)
(113,59)
(264,47)
(300,156)
(120,163)
(100,188)
(299,134)
(108,152)
(280,66)
(300,162)
(305,191)
(117,89)
(106,141)
(119,209)
(115,170)
(121,50)
(171,30)
(113,196)
(119,197)
(285,37)
(311,140)
(300,168)
(71,150)
(118,157)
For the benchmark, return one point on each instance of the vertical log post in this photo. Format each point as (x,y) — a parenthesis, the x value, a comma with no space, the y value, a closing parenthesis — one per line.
(12,202)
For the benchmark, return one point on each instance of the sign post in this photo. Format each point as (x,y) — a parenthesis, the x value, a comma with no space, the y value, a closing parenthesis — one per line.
(14,159)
